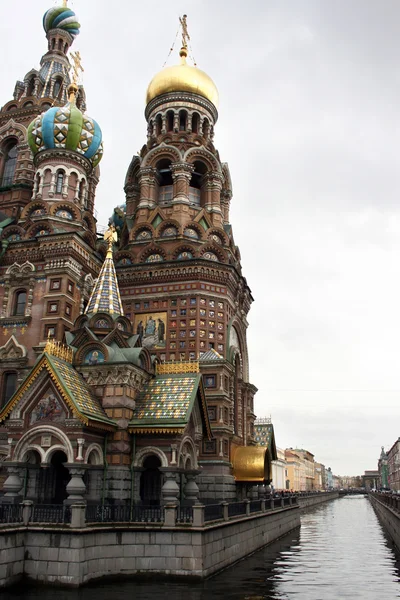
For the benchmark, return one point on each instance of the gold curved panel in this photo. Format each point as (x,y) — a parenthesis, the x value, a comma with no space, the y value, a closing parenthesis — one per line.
(251,464)
(182,78)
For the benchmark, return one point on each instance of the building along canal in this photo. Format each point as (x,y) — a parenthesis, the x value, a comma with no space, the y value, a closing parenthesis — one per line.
(340,551)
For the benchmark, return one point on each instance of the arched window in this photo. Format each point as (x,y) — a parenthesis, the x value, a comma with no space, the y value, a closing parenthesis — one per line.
(9,386)
(195,183)
(165,181)
(182,120)
(158,124)
(170,120)
(10,162)
(31,87)
(57,88)
(195,122)
(19,303)
(59,182)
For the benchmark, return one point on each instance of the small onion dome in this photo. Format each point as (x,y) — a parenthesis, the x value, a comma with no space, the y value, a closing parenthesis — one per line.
(182,78)
(68,128)
(61,17)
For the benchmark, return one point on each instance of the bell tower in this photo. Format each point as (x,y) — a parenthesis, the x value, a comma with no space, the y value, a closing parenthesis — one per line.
(178,264)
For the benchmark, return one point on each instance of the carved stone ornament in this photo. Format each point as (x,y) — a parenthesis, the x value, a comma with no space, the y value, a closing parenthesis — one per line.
(12,350)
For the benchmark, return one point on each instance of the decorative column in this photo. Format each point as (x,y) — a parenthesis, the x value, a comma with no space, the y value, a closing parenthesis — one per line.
(181,175)
(12,485)
(191,489)
(170,489)
(147,182)
(213,185)
(132,198)
(76,489)
(81,443)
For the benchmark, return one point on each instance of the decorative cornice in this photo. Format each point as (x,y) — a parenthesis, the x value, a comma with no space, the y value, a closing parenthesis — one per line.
(181,97)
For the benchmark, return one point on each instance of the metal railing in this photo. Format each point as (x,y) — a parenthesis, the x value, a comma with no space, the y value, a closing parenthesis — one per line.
(124,514)
(391,500)
(10,513)
(255,506)
(50,513)
(236,508)
(213,512)
(184,514)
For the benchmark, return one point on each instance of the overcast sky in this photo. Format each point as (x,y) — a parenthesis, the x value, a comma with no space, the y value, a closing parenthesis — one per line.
(309,124)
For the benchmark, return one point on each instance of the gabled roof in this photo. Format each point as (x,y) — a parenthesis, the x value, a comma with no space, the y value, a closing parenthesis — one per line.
(73,389)
(210,355)
(165,405)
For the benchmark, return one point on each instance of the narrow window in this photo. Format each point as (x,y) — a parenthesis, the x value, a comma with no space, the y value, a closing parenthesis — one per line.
(182,120)
(10,162)
(20,303)
(158,124)
(10,385)
(170,120)
(195,123)
(59,182)
(57,88)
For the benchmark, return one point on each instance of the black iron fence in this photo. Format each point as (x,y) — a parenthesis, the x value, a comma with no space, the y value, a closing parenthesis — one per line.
(50,513)
(392,500)
(236,508)
(124,514)
(184,514)
(10,513)
(255,506)
(213,512)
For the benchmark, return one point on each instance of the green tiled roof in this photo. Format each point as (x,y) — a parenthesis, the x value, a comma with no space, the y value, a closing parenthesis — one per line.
(74,390)
(79,392)
(167,400)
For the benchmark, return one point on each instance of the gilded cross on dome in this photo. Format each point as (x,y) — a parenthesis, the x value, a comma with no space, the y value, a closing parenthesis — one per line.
(185,33)
(77,66)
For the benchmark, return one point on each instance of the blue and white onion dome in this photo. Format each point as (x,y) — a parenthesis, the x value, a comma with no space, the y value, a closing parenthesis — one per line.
(61,17)
(67,128)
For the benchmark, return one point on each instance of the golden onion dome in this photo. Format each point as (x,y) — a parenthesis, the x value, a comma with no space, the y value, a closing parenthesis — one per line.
(182,78)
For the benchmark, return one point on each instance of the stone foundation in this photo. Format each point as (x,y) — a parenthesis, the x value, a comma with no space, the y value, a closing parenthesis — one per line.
(62,556)
(389,518)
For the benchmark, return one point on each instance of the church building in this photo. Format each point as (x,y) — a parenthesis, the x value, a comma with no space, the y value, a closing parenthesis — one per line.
(124,369)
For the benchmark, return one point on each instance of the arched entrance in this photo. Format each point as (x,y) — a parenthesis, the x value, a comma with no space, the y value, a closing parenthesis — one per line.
(53,480)
(150,481)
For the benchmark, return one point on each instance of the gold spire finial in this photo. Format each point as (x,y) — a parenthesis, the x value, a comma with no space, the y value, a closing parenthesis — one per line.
(65,3)
(110,237)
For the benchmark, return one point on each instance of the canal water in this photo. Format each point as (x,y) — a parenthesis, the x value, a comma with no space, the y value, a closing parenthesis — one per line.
(340,552)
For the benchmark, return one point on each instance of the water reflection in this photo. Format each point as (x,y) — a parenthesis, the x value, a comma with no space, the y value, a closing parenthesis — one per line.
(340,552)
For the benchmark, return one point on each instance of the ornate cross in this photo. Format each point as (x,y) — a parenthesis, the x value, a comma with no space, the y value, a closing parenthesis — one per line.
(77,66)
(185,33)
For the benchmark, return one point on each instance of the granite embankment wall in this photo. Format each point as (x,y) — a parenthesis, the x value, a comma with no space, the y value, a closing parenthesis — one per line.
(309,501)
(58,555)
(388,515)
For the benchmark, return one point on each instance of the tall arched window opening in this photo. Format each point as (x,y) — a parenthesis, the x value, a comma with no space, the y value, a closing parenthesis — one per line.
(165,181)
(170,120)
(59,182)
(206,128)
(10,162)
(31,87)
(19,303)
(195,183)
(158,124)
(9,386)
(195,123)
(182,120)
(57,88)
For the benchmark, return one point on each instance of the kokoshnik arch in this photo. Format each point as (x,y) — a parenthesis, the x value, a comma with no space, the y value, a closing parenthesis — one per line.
(124,372)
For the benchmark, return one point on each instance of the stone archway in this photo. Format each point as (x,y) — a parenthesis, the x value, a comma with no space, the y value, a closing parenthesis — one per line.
(151,481)
(53,480)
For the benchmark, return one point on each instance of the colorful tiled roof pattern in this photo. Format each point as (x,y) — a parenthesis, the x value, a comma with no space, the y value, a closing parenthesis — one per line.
(82,396)
(105,295)
(72,388)
(167,399)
